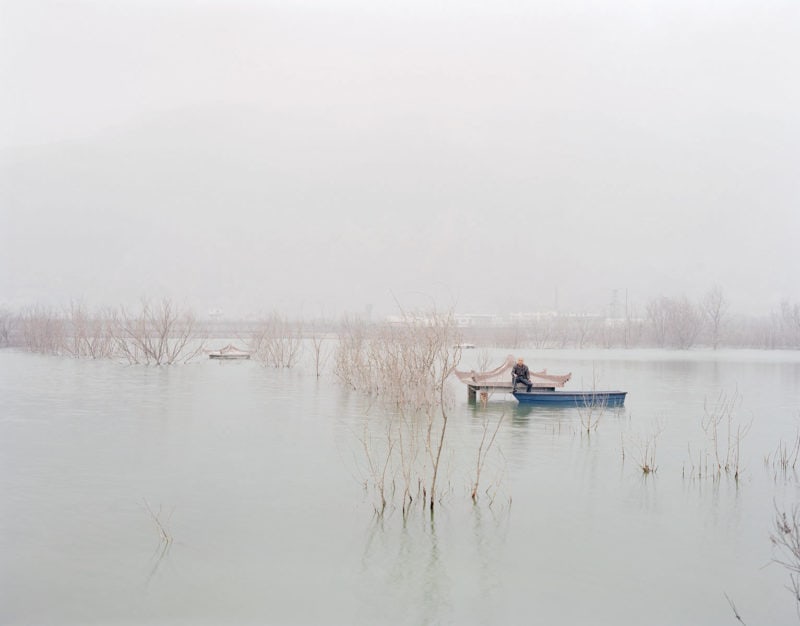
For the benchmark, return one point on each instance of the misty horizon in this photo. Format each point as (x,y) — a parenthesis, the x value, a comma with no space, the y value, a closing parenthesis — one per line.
(347,157)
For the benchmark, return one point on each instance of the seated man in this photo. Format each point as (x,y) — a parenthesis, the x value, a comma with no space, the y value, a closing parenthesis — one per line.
(521,374)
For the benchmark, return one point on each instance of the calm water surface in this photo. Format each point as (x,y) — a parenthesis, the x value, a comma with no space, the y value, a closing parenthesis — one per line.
(258,476)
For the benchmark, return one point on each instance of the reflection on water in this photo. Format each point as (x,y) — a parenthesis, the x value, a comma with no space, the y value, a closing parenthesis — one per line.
(258,474)
(429,577)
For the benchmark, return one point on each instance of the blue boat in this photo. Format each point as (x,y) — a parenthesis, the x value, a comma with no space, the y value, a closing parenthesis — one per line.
(571,398)
(543,388)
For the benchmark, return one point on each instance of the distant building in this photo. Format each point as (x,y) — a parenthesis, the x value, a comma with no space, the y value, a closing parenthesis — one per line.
(475,320)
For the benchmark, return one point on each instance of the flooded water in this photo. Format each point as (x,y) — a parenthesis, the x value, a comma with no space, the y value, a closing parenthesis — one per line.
(258,477)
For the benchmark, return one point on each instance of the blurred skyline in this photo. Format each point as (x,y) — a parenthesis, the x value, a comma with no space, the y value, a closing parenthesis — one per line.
(315,158)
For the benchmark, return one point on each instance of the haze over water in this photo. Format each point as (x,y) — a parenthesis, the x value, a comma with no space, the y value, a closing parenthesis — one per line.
(313,160)
(258,475)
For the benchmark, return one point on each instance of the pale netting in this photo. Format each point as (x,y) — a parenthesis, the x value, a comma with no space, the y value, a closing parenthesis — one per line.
(501,376)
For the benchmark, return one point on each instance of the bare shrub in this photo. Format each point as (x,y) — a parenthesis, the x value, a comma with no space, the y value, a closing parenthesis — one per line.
(161,525)
(735,610)
(686,322)
(404,365)
(158,334)
(484,359)
(644,447)
(487,441)
(789,324)
(721,454)
(674,322)
(277,342)
(88,335)
(658,319)
(724,434)
(784,459)
(379,461)
(320,353)
(715,310)
(7,323)
(785,538)
(647,453)
(43,330)
(351,366)
(592,408)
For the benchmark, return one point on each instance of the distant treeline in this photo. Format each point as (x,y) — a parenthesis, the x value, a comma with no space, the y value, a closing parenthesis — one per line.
(674,323)
(164,333)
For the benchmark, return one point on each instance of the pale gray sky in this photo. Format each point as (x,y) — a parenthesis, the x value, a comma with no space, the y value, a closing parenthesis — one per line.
(327,156)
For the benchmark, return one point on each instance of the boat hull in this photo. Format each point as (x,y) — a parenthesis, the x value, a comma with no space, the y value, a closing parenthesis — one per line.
(572,398)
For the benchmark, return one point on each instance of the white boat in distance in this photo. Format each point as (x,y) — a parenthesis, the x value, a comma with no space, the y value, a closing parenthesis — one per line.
(229,352)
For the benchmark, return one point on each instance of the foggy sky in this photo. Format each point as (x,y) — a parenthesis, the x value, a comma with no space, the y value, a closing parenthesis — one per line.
(319,157)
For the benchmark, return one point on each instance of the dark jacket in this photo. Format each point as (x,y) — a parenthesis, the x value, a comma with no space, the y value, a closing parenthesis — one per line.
(521,371)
